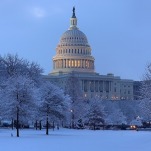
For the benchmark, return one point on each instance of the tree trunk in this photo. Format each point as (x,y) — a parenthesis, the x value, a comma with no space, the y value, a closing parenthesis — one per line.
(73,119)
(47,126)
(12,124)
(40,125)
(36,124)
(17,123)
(62,124)
(94,126)
(53,125)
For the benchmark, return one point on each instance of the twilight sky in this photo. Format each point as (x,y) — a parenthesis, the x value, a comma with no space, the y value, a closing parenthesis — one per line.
(119,32)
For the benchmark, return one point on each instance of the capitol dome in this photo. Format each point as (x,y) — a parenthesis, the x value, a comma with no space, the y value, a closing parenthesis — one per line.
(73,52)
(73,37)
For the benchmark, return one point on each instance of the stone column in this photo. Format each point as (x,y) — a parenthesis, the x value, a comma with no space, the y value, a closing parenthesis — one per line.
(84,63)
(80,66)
(71,63)
(60,63)
(90,65)
(56,64)
(66,63)
(80,63)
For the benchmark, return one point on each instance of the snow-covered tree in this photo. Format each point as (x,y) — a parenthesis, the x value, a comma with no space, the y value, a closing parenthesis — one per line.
(95,114)
(145,103)
(146,83)
(129,109)
(53,103)
(18,79)
(78,104)
(144,107)
(17,99)
(137,122)
(115,116)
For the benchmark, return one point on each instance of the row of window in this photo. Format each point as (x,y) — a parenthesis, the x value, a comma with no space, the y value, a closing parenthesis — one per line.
(78,38)
(106,97)
(74,64)
(100,86)
(74,45)
(75,51)
(97,86)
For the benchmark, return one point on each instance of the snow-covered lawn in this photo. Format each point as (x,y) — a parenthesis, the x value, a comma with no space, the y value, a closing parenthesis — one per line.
(75,140)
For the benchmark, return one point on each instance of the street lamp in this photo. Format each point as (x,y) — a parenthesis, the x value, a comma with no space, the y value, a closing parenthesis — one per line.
(72,118)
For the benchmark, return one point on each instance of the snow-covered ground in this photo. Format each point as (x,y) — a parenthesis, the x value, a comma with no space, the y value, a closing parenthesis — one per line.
(75,140)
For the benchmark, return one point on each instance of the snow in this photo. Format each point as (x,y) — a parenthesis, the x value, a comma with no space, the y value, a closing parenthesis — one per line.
(75,140)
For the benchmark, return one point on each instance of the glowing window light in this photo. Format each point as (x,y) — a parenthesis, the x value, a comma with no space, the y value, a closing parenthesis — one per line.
(86,63)
(78,63)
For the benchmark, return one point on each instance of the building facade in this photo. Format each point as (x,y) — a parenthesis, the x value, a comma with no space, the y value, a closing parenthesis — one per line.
(73,59)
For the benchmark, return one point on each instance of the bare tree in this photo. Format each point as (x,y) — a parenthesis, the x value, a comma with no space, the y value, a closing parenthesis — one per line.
(12,65)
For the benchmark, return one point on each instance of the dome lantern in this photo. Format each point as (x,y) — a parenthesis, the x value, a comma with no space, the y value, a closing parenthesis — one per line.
(73,20)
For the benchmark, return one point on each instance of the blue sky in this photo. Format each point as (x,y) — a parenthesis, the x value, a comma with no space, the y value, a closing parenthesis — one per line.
(118,31)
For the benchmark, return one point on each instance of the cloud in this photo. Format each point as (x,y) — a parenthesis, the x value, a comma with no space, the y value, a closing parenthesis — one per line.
(38,12)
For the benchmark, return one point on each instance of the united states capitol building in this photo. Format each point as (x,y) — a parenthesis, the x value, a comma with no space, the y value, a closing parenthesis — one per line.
(73,58)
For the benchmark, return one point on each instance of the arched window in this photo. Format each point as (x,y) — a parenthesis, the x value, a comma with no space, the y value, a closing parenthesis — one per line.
(69,50)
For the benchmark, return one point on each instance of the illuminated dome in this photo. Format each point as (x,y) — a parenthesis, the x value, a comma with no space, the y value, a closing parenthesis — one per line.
(73,52)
